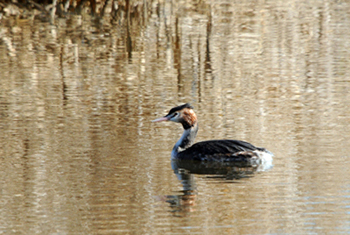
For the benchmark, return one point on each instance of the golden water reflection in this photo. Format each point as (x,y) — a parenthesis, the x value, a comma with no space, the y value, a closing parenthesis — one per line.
(80,155)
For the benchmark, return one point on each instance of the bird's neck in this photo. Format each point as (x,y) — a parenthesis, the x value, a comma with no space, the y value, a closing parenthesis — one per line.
(186,140)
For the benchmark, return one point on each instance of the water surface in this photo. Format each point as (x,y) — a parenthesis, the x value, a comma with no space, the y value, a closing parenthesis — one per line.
(79,154)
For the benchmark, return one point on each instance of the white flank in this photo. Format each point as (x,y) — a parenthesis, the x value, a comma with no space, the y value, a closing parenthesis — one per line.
(266,160)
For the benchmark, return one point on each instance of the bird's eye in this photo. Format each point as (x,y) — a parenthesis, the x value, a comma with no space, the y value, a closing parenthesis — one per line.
(175,114)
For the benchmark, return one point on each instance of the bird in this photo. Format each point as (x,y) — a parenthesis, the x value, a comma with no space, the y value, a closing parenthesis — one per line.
(211,150)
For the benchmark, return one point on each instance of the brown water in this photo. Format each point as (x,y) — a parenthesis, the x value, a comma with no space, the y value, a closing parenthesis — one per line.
(79,155)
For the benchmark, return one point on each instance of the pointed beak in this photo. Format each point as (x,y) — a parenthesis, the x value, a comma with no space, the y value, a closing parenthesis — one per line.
(161,119)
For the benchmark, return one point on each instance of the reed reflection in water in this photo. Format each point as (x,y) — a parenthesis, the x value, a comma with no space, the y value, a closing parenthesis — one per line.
(80,155)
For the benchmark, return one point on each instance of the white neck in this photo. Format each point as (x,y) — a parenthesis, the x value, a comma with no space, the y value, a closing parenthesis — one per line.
(185,141)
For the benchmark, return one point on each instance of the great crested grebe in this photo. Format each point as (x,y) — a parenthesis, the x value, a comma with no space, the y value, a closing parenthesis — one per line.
(212,150)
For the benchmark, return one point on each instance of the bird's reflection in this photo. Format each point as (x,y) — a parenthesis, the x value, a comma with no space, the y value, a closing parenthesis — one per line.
(185,200)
